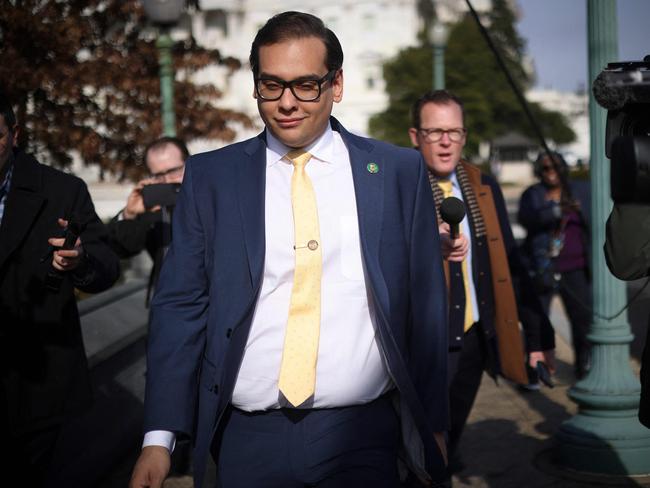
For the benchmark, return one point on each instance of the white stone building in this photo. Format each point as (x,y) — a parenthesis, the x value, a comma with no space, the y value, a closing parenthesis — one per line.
(371,32)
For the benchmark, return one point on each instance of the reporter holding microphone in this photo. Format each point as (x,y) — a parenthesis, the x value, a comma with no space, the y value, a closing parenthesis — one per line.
(489,288)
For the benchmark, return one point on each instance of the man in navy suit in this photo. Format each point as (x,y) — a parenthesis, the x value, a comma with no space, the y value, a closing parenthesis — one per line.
(224,311)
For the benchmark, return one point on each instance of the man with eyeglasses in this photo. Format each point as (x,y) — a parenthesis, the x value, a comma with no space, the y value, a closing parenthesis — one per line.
(301,305)
(136,228)
(489,289)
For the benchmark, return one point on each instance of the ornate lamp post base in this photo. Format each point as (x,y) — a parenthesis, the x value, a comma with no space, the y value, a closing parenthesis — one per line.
(605,436)
(613,446)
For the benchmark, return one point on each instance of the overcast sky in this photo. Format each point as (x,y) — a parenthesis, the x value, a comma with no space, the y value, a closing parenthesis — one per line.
(556,34)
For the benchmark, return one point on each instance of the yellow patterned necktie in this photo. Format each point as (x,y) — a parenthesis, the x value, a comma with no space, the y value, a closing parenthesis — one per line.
(445,186)
(297,379)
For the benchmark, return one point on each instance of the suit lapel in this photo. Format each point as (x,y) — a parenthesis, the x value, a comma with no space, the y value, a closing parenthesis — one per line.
(369,191)
(368,176)
(22,206)
(251,181)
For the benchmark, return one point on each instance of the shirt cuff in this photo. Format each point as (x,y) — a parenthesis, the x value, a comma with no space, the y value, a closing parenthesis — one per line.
(163,438)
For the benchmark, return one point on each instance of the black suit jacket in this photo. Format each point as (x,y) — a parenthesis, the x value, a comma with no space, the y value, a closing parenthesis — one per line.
(538,331)
(147,231)
(43,368)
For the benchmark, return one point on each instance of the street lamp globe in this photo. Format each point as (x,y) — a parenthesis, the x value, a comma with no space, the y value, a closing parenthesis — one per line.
(438,34)
(163,12)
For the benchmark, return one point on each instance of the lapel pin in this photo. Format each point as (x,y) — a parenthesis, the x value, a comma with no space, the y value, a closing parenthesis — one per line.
(372,168)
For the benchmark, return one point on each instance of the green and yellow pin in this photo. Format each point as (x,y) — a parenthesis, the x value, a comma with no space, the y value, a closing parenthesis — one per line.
(372,168)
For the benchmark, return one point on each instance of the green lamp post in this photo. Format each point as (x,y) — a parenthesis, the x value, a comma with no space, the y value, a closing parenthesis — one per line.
(605,435)
(165,13)
(438,37)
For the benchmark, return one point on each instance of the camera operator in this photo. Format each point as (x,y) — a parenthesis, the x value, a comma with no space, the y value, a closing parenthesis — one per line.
(136,227)
(624,89)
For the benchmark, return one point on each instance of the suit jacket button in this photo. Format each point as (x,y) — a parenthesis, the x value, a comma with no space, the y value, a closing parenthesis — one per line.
(215,389)
(456,307)
(228,333)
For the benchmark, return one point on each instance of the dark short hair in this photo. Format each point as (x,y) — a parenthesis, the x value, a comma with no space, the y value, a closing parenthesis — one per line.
(296,25)
(165,141)
(7,111)
(439,97)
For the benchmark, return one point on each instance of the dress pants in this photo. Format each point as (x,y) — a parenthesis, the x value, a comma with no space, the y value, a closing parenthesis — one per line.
(465,372)
(347,447)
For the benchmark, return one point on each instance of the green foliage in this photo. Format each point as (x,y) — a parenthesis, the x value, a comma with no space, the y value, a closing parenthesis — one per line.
(405,83)
(472,73)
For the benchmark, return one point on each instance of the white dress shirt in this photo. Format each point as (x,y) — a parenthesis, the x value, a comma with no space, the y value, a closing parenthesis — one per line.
(350,369)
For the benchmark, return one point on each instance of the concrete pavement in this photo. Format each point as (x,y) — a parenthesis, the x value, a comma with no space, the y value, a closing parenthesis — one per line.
(509,437)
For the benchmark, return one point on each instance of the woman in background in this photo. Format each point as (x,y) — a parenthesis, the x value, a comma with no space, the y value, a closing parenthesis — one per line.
(555,214)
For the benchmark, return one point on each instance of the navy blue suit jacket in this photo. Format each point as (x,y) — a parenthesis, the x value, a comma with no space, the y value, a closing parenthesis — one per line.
(203,306)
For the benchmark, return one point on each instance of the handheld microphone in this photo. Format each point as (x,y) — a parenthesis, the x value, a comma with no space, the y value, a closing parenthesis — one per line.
(452,211)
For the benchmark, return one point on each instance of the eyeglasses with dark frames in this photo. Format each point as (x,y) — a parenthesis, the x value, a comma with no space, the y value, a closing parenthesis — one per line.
(304,89)
(160,175)
(434,135)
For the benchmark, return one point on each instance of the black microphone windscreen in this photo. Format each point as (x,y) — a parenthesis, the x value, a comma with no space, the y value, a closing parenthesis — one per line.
(452,210)
(615,89)
(607,96)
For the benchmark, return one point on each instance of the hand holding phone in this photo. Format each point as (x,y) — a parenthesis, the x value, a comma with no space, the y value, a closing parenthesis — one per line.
(544,374)
(67,251)
(160,195)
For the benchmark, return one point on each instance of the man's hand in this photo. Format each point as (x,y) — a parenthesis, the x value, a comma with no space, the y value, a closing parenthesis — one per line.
(452,249)
(152,468)
(135,203)
(547,357)
(62,259)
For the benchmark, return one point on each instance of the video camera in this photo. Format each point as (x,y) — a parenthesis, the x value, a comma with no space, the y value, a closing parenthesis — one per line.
(623,88)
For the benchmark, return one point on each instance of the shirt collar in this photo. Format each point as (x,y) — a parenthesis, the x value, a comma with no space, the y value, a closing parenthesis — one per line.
(454,180)
(322,149)
(452,177)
